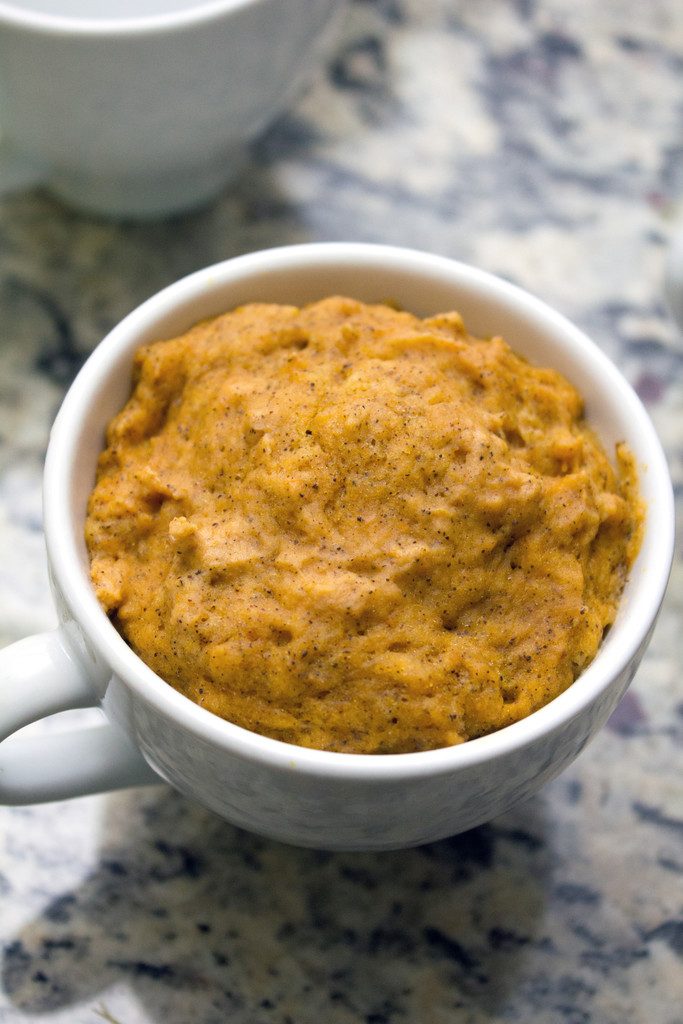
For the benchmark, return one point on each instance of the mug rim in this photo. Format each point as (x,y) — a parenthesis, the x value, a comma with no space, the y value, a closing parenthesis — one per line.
(82,27)
(76,591)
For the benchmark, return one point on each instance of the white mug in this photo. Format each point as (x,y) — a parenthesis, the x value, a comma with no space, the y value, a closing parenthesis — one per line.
(303,796)
(145,107)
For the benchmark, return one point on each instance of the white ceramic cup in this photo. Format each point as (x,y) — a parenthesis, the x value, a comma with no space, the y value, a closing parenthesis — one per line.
(145,107)
(308,797)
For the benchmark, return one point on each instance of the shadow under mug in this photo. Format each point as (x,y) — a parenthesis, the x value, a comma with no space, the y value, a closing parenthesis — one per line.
(303,796)
(146,109)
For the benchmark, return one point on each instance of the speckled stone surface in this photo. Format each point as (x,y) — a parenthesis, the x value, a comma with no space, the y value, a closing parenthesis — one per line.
(540,139)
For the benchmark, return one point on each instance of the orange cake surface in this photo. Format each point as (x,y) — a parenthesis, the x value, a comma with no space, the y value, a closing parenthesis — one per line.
(348,528)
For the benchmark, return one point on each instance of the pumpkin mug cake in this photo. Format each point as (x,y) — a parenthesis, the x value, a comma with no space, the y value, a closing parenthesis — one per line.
(347,528)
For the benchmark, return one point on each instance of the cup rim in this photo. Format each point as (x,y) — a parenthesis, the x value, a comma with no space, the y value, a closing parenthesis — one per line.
(78,595)
(150,24)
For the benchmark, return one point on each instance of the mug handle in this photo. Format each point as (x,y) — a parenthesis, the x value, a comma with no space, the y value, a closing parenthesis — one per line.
(39,676)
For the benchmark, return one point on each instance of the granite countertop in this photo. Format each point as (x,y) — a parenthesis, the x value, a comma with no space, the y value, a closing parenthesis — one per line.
(542,140)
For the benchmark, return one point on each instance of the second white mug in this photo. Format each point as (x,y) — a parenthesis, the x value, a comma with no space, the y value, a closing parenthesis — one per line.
(146,109)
